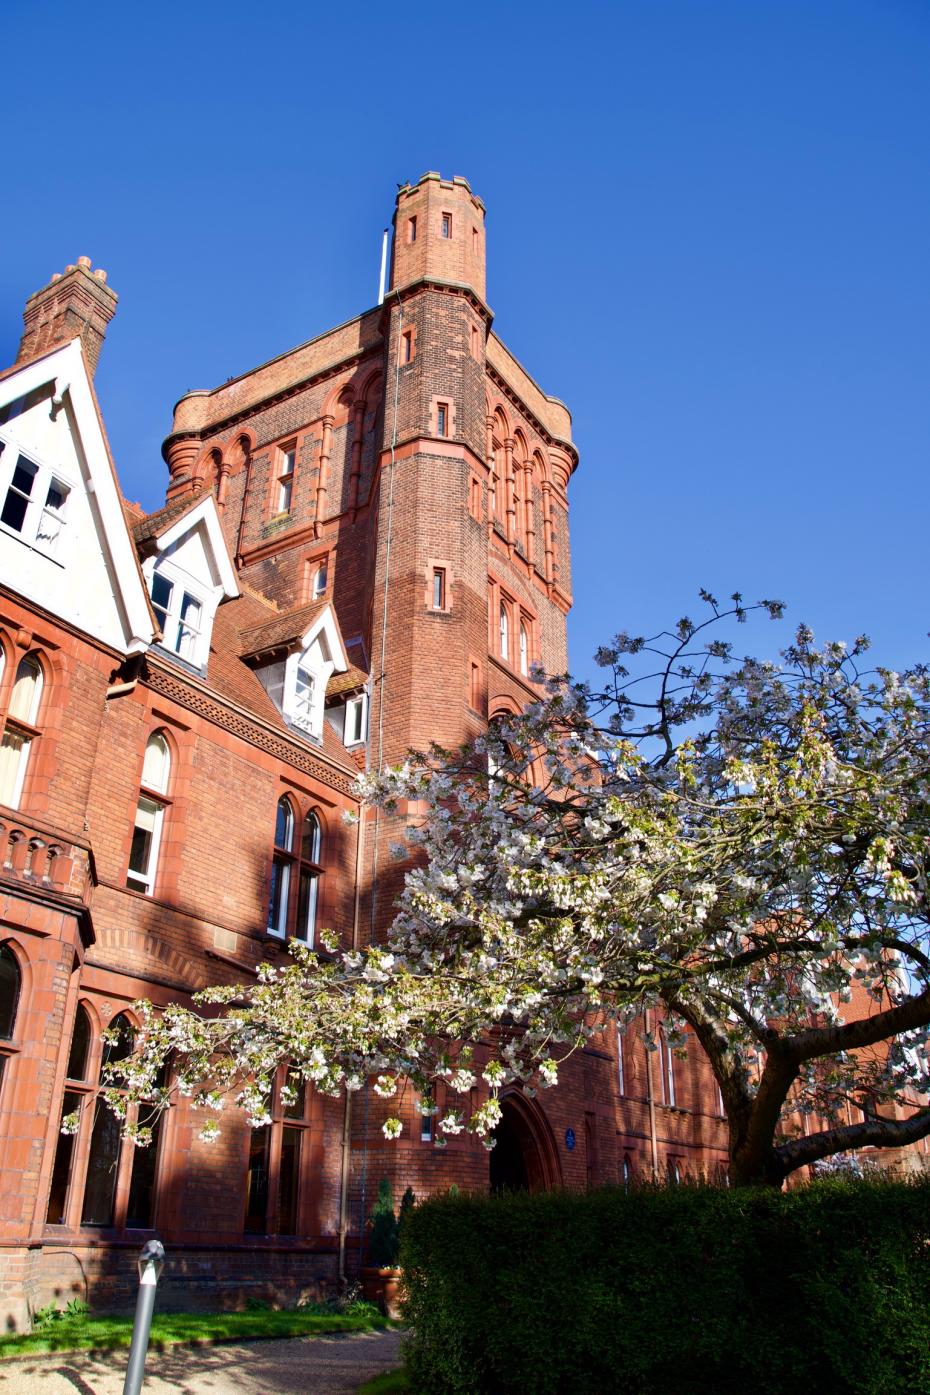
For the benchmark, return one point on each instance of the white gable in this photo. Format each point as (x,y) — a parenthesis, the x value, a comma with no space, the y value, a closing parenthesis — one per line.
(64,543)
(187,577)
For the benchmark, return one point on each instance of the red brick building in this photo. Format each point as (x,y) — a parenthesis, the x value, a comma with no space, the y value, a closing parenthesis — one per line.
(364,546)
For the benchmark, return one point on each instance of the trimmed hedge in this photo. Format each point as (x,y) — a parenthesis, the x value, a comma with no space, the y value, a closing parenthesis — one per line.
(822,1290)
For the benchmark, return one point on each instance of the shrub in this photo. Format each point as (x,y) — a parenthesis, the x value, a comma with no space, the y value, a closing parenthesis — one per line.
(385,1226)
(662,1292)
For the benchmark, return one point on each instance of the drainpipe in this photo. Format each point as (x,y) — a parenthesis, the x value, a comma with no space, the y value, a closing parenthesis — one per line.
(650,1095)
(347,1111)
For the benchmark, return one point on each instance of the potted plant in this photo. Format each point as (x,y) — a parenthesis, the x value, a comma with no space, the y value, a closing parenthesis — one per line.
(381,1276)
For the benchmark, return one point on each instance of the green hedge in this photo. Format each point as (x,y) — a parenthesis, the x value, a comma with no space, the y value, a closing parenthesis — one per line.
(819,1291)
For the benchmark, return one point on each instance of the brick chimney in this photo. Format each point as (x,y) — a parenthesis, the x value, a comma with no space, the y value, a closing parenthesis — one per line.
(76,305)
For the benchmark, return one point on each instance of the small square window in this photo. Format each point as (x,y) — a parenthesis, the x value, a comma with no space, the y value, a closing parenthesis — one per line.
(442,419)
(439,588)
(447,225)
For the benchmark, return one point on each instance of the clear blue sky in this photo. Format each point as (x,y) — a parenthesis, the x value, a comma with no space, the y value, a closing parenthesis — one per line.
(708,231)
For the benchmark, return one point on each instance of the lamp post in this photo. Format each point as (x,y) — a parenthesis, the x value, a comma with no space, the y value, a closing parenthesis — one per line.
(151,1263)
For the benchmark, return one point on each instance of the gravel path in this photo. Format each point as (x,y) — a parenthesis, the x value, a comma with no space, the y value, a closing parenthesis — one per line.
(335,1365)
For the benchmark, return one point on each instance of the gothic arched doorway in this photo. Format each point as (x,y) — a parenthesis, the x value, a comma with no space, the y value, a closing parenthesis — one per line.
(524,1156)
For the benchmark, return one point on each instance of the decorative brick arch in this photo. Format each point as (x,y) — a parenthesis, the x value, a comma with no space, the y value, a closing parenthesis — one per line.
(124,949)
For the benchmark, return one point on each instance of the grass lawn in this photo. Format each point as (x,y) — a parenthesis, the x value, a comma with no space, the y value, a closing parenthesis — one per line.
(168,1329)
(390,1383)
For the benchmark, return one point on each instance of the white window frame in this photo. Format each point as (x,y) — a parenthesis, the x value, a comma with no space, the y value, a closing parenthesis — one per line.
(22,726)
(182,588)
(524,649)
(503,630)
(152,795)
(46,477)
(287,466)
(357,704)
(320,580)
(667,1062)
(621,1073)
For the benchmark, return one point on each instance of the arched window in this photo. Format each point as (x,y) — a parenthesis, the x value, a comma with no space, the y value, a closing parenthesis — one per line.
(103,1159)
(626,1172)
(621,1073)
(295,874)
(310,843)
(77,1091)
(524,650)
(11,981)
(19,729)
(115,1186)
(319,582)
(10,984)
(503,626)
(281,863)
(150,813)
(667,1069)
(277,1172)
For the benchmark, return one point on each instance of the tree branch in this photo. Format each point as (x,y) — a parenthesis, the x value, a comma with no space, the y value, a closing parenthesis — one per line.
(875,1132)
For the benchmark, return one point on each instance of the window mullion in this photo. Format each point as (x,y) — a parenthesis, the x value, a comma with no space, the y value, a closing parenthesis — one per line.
(274,1168)
(123,1177)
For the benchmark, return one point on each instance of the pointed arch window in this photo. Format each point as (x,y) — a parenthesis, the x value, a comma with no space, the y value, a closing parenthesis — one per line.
(150,814)
(524,649)
(296,869)
(503,631)
(97,1179)
(19,727)
(281,864)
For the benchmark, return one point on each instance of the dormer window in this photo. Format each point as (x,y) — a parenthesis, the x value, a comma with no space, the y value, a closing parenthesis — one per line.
(304,694)
(180,615)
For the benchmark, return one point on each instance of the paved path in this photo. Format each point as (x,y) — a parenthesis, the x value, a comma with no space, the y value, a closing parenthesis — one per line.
(333,1365)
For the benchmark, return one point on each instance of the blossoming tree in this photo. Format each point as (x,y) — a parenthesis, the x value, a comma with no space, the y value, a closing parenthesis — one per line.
(742,844)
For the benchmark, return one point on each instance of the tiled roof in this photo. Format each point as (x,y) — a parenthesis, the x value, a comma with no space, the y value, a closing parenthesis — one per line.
(344,682)
(230,677)
(154,523)
(284,630)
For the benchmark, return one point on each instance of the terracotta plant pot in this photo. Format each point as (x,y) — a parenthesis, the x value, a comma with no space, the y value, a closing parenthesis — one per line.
(383,1286)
